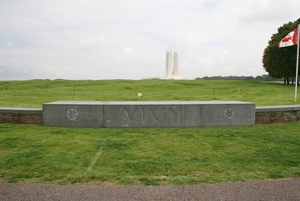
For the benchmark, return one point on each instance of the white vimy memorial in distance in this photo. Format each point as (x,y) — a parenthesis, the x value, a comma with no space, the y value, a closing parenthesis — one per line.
(172,66)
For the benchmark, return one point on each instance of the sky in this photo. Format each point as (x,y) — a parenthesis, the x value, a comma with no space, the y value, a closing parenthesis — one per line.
(128,39)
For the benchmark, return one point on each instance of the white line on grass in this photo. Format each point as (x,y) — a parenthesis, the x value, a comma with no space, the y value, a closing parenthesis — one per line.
(103,144)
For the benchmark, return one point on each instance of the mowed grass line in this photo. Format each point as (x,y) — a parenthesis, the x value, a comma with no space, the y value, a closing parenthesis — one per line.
(39,154)
(33,93)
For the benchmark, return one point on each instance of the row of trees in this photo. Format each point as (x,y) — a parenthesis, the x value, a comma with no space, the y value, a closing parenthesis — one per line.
(259,77)
(281,62)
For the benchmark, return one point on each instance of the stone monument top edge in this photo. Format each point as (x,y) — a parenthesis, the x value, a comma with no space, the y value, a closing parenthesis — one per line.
(146,102)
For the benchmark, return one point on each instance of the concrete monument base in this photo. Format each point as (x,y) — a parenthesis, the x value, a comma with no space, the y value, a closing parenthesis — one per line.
(148,114)
(172,78)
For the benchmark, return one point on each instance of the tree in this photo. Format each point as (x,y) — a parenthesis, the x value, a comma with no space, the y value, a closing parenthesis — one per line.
(281,62)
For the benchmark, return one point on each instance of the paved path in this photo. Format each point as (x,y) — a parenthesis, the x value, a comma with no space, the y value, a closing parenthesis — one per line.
(283,189)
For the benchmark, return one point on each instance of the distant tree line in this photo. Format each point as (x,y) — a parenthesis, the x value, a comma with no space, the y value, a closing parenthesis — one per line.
(259,78)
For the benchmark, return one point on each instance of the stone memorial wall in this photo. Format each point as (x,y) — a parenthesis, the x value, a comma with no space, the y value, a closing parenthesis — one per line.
(20,115)
(277,114)
(148,114)
(263,115)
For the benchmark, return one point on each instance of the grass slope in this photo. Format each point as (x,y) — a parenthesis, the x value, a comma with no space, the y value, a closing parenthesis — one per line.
(33,93)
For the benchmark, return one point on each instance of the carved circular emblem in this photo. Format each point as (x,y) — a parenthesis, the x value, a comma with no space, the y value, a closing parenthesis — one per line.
(228,113)
(72,114)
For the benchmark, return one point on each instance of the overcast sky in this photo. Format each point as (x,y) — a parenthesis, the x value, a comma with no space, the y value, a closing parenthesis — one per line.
(128,39)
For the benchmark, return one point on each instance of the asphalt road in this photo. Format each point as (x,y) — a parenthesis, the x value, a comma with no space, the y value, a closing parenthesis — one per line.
(283,189)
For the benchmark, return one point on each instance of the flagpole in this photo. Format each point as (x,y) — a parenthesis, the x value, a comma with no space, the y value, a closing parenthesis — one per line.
(297,64)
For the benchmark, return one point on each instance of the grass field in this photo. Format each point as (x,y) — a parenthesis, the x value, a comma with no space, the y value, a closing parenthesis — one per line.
(39,154)
(131,156)
(33,93)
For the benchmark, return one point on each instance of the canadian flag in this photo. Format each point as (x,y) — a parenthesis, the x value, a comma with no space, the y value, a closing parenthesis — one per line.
(290,39)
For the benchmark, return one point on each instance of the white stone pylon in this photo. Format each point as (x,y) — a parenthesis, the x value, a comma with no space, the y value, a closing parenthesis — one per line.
(169,64)
(172,66)
(175,64)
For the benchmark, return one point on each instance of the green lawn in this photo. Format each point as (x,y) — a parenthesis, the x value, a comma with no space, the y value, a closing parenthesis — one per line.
(33,93)
(129,156)
(39,154)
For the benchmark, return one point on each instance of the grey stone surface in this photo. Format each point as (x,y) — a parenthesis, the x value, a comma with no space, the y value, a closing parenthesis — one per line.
(14,110)
(227,114)
(148,114)
(278,108)
(73,114)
